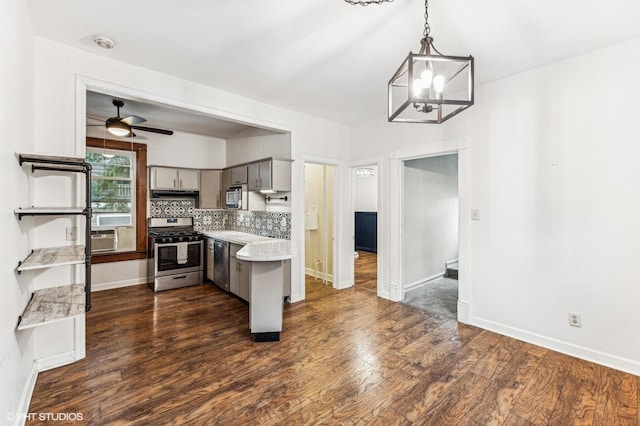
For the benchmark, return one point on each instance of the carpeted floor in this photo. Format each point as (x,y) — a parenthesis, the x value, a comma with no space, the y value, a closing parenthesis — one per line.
(439,297)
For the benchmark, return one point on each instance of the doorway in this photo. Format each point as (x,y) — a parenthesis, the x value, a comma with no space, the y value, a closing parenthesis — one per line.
(365,211)
(430,250)
(319,223)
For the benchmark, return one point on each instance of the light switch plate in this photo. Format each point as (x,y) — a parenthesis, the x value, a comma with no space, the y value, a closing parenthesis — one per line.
(475,214)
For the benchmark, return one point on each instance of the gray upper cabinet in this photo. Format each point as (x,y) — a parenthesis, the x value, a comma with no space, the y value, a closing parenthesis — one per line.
(270,175)
(238,175)
(174,179)
(210,189)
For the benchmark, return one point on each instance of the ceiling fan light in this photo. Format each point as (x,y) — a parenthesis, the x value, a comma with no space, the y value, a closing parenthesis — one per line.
(118,129)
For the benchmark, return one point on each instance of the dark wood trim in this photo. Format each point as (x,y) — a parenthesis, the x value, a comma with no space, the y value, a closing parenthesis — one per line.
(117,257)
(141,197)
(141,200)
(111,144)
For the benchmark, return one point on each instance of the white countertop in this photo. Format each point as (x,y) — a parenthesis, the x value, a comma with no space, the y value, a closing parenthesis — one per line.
(256,247)
(267,251)
(237,237)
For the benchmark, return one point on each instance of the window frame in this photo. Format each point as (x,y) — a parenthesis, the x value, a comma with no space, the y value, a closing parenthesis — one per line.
(140,167)
(131,179)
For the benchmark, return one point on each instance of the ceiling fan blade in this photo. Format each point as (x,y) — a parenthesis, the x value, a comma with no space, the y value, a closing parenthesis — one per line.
(133,119)
(154,130)
(96,119)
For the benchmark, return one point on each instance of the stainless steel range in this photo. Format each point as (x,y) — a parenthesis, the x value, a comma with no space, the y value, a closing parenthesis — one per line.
(175,254)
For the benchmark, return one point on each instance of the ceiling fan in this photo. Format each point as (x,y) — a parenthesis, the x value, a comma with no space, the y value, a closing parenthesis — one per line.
(122,126)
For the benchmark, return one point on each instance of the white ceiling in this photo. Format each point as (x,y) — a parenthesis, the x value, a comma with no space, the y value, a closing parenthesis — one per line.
(100,107)
(325,57)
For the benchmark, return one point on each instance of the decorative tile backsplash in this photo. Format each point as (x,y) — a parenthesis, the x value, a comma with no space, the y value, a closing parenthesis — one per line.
(172,207)
(269,224)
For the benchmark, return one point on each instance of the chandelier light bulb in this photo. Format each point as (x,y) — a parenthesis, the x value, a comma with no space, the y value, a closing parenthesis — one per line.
(426,76)
(418,86)
(438,83)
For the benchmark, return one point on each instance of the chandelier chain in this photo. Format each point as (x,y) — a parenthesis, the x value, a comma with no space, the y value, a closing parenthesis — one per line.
(367,2)
(427,28)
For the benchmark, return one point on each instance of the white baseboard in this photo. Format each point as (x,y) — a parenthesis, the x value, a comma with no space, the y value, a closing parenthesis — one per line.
(294,298)
(608,360)
(464,313)
(417,284)
(321,275)
(58,360)
(449,262)
(394,293)
(25,398)
(117,284)
(345,284)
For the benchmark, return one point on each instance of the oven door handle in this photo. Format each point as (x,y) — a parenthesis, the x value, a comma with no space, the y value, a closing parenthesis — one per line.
(179,277)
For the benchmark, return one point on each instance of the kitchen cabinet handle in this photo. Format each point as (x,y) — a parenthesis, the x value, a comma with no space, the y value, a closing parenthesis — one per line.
(174,183)
(180,184)
(179,277)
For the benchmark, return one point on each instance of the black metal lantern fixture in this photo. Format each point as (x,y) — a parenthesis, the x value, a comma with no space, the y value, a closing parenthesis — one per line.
(430,87)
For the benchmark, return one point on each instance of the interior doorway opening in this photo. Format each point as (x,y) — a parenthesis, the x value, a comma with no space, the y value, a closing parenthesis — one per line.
(319,222)
(365,216)
(430,241)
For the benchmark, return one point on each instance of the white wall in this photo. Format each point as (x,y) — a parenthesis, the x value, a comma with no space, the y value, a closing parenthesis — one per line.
(60,68)
(256,144)
(553,170)
(16,123)
(365,197)
(430,222)
(178,150)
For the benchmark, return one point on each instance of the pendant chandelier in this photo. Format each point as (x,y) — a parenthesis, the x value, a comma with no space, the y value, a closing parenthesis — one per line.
(430,87)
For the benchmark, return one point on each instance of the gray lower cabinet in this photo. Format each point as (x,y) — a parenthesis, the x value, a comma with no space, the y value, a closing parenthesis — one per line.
(209,260)
(239,274)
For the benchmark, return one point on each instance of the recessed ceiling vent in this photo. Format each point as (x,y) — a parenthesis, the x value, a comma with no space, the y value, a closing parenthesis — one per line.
(104,42)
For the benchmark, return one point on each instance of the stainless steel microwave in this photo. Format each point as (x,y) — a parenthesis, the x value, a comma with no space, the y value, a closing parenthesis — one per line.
(236,197)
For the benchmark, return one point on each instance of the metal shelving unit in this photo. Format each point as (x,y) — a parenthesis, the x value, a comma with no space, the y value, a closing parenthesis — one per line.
(57,303)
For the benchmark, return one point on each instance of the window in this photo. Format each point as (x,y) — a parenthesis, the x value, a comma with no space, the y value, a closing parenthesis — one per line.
(118,199)
(113,195)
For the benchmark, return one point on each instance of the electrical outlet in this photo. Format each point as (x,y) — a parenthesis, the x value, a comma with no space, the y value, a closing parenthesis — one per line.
(575,320)
(71,233)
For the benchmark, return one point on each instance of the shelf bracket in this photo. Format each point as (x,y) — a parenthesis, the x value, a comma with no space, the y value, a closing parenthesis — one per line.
(20,316)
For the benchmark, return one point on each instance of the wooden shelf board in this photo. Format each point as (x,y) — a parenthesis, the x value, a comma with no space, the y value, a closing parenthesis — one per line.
(49,159)
(53,304)
(49,210)
(53,256)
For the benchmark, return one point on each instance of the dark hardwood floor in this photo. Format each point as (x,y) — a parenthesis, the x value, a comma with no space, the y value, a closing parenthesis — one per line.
(366,271)
(345,357)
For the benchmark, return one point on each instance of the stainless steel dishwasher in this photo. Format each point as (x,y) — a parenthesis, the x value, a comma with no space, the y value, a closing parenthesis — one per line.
(221,264)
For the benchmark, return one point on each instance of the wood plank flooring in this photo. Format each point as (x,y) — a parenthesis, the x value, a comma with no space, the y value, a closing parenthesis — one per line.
(345,357)
(366,271)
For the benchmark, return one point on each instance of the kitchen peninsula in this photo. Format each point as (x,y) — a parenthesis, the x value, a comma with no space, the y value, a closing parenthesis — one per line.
(267,277)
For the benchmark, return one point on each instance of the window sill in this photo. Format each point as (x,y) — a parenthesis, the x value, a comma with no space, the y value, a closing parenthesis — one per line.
(117,257)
